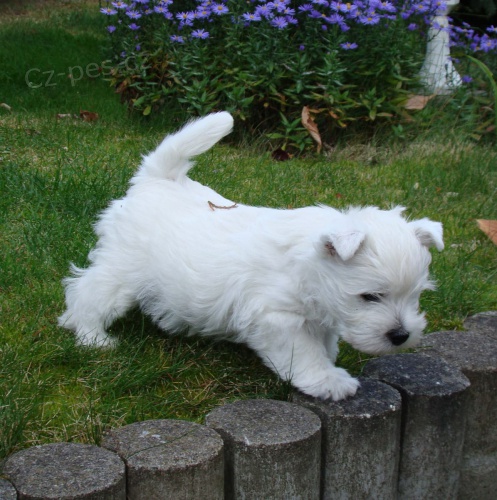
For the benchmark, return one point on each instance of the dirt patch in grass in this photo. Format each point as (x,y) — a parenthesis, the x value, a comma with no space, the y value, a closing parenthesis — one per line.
(10,10)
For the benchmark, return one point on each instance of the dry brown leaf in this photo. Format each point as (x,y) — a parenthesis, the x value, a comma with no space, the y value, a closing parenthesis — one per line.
(489,227)
(311,127)
(418,102)
(5,106)
(88,116)
(280,155)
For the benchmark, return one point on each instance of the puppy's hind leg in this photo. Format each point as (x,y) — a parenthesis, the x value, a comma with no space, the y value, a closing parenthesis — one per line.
(94,299)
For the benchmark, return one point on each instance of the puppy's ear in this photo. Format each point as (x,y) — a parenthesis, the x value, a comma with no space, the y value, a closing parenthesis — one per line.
(429,233)
(345,244)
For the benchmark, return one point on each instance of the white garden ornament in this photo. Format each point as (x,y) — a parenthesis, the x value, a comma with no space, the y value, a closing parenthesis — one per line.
(438,74)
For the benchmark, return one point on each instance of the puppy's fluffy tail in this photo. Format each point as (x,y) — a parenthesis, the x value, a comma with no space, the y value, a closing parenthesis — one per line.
(171,159)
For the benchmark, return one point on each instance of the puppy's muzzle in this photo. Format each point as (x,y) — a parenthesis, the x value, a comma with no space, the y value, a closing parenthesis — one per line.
(397,336)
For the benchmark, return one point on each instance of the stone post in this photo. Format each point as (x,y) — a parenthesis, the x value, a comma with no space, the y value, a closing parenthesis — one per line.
(170,459)
(484,323)
(433,422)
(7,491)
(361,442)
(66,471)
(476,356)
(272,449)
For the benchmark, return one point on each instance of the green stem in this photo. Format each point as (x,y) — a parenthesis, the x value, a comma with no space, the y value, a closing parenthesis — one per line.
(486,70)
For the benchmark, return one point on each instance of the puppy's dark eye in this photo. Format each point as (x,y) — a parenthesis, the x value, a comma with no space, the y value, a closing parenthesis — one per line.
(371,297)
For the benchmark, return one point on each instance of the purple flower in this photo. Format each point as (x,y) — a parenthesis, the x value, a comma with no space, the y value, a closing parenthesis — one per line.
(219,8)
(420,8)
(349,45)
(120,5)
(202,13)
(467,79)
(279,22)
(349,8)
(335,19)
(133,27)
(386,6)
(307,7)
(133,14)
(264,10)
(185,18)
(177,39)
(412,27)
(111,29)
(280,5)
(201,33)
(138,48)
(251,17)
(369,18)
(487,44)
(108,11)
(160,9)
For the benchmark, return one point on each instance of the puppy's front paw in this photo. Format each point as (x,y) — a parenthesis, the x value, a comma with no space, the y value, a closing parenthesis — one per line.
(335,383)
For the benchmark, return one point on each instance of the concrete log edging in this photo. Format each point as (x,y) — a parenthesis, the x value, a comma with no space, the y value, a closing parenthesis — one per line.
(361,440)
(423,425)
(433,422)
(7,490)
(66,471)
(475,354)
(170,459)
(273,449)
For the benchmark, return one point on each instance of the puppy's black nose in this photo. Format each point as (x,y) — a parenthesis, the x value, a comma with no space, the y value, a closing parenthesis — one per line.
(398,336)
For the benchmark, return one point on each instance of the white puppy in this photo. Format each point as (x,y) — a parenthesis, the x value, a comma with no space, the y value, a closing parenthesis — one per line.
(288,283)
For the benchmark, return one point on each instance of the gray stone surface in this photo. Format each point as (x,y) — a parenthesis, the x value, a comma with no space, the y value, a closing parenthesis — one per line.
(361,442)
(66,471)
(7,491)
(484,323)
(434,396)
(170,459)
(272,449)
(475,354)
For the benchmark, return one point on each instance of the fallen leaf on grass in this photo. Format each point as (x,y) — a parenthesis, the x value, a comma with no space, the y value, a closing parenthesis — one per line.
(418,102)
(280,155)
(88,116)
(311,126)
(5,106)
(489,227)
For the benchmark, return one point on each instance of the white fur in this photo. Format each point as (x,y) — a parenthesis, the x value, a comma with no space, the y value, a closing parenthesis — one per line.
(288,283)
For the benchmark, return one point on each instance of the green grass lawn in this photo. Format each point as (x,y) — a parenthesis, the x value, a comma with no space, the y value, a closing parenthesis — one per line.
(57,174)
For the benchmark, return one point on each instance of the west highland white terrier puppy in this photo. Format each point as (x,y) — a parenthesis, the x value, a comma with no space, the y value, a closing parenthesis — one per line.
(288,283)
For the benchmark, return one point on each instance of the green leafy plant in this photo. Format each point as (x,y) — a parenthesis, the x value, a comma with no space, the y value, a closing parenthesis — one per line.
(264,61)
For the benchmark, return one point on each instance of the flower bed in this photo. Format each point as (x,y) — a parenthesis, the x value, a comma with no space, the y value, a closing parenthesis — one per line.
(264,61)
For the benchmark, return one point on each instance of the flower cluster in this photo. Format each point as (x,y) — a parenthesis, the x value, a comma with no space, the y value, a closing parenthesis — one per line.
(465,36)
(279,14)
(195,22)
(350,61)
